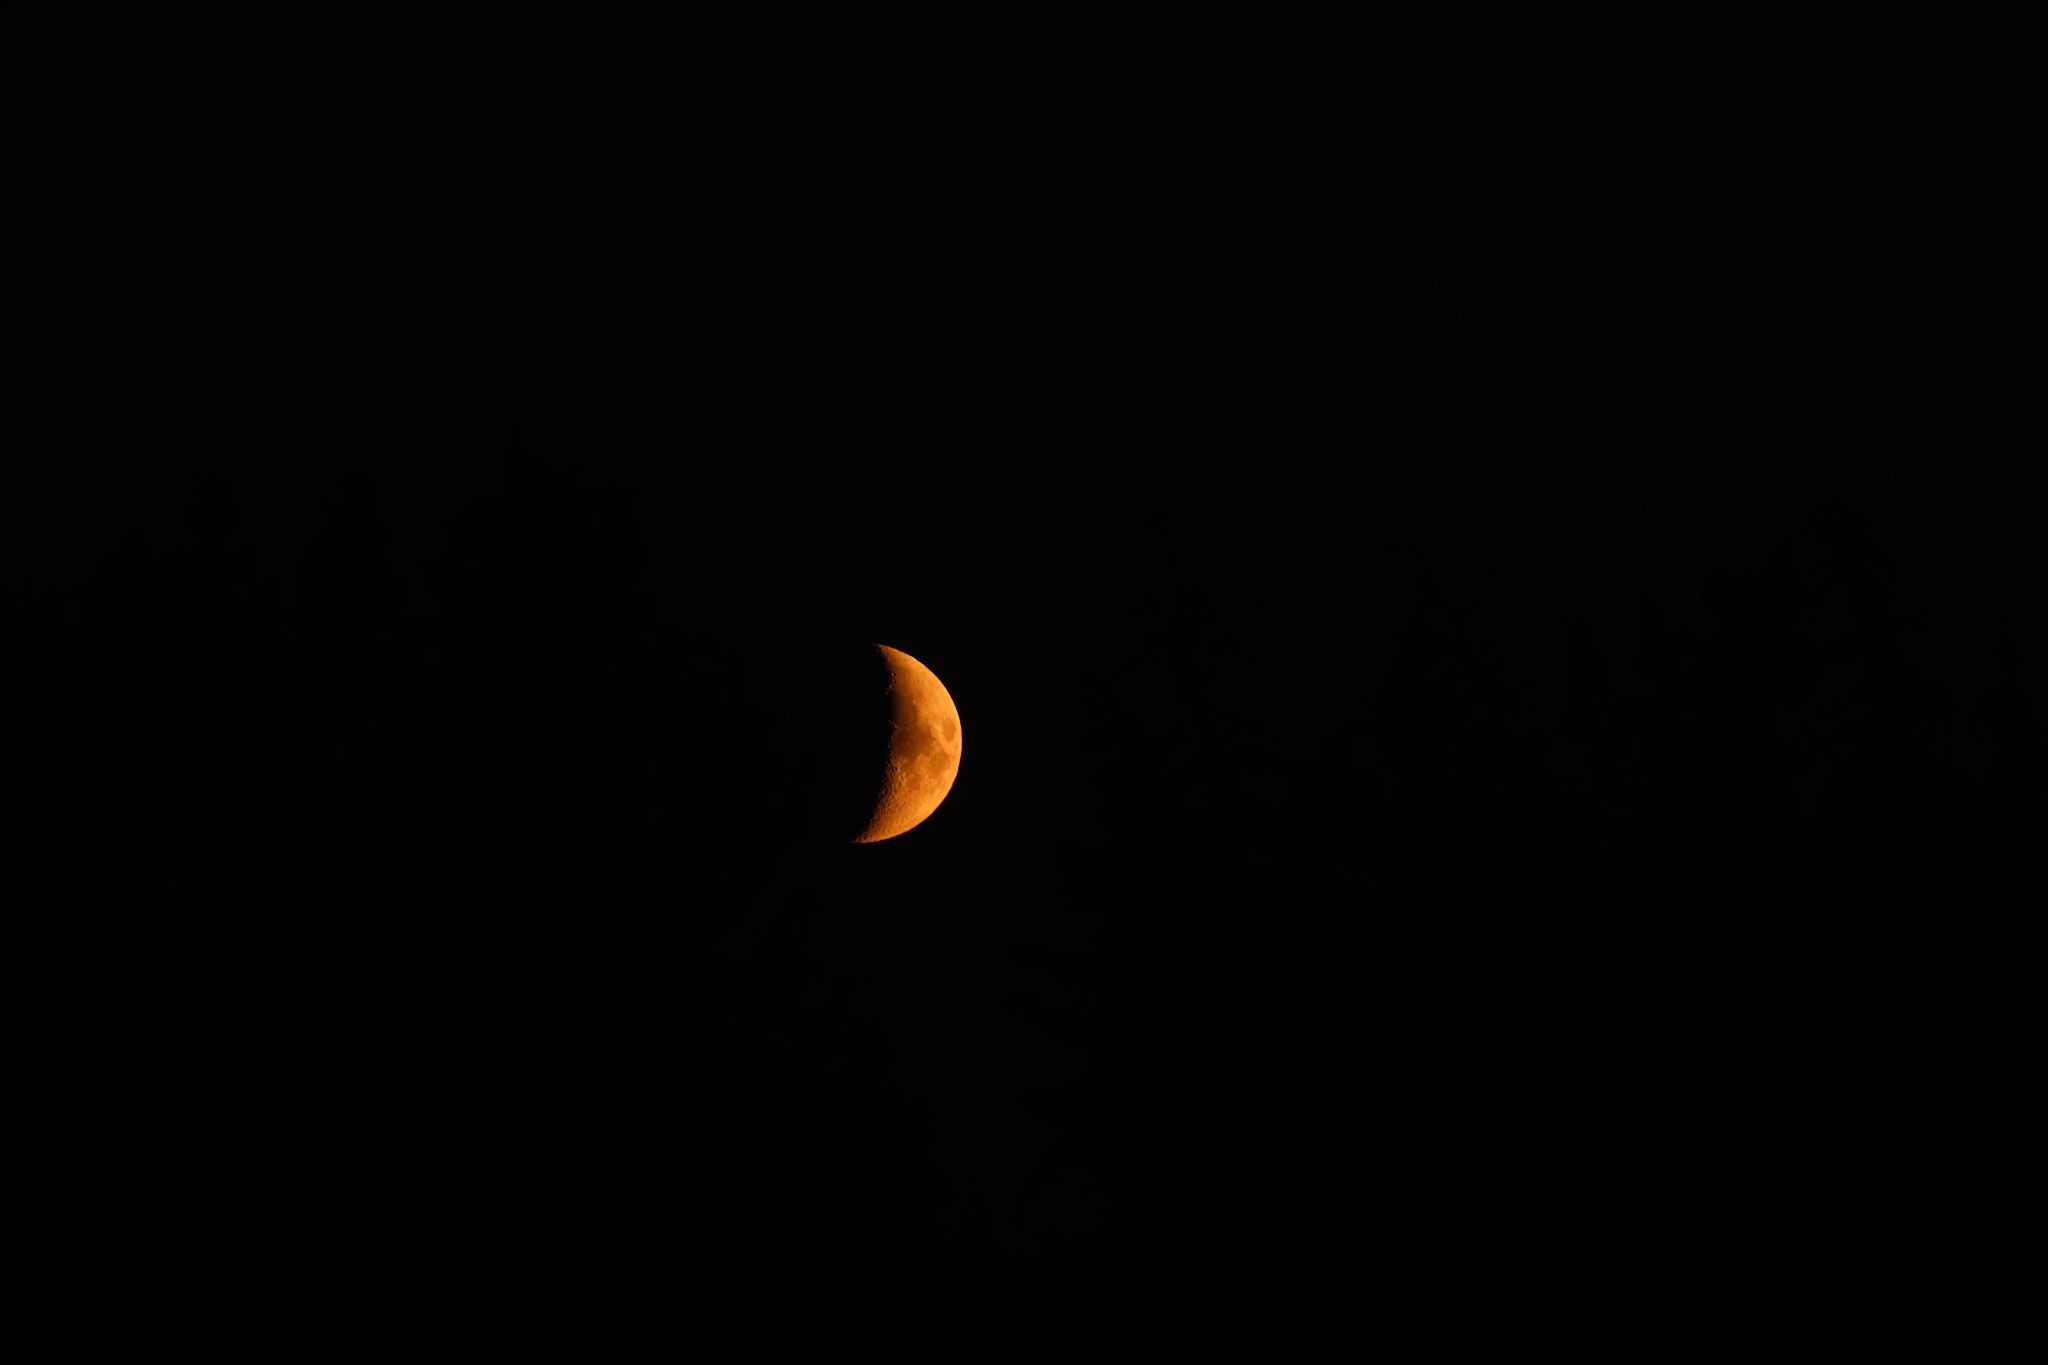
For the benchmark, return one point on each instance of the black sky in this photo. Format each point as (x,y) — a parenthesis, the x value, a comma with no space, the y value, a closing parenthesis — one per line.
(1481,573)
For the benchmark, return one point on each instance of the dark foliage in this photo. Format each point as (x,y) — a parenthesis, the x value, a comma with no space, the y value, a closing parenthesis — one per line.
(370,923)
(1682,1011)
(446,925)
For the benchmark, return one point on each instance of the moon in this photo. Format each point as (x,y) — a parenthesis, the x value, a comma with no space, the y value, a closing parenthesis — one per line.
(924,748)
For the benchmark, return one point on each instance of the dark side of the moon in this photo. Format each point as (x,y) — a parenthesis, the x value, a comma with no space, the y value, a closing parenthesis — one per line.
(834,726)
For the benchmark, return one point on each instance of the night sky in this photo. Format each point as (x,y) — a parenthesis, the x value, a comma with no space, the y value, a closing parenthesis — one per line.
(1498,653)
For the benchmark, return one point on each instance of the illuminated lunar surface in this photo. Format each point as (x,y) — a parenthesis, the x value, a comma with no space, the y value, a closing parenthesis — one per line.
(924,748)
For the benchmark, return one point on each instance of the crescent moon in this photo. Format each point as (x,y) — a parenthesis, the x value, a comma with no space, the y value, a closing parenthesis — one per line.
(924,748)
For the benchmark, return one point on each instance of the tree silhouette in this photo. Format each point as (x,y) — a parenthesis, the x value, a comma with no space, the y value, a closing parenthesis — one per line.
(385,903)
(392,894)
(1799,857)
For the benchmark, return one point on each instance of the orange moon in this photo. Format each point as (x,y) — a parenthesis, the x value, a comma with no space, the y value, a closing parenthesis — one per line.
(924,748)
